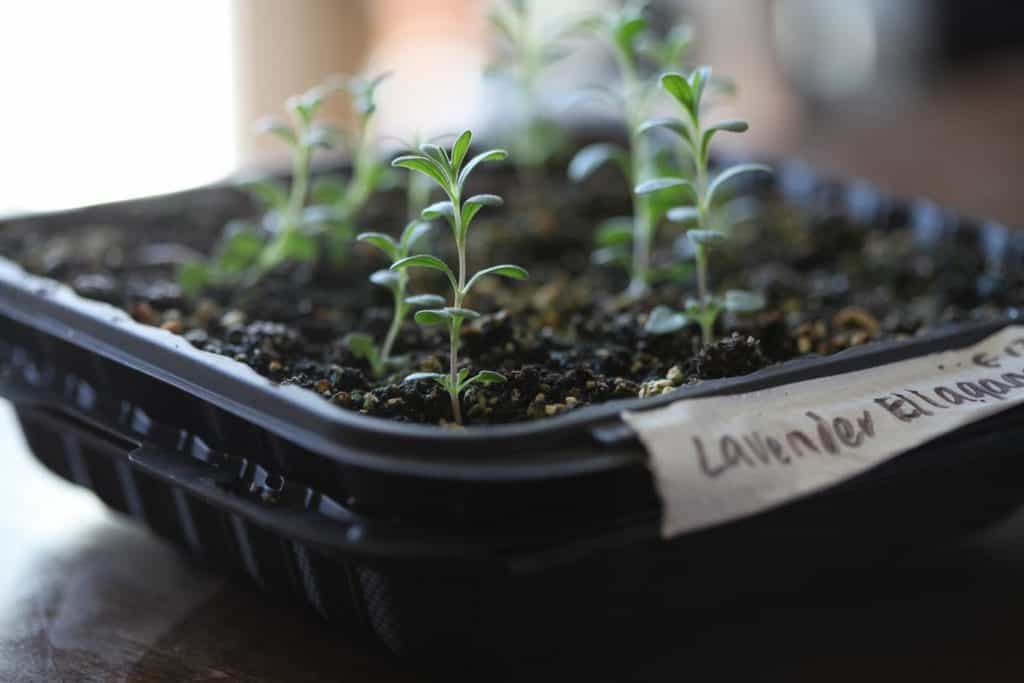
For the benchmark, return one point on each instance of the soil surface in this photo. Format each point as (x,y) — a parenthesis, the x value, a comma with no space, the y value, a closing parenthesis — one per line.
(567,337)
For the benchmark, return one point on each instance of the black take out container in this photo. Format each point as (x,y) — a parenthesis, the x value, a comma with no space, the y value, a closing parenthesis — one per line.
(500,540)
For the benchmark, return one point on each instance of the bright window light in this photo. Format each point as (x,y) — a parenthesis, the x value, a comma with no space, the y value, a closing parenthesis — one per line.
(111,99)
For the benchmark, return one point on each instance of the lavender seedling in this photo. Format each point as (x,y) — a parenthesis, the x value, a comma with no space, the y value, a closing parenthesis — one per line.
(363,345)
(527,50)
(627,31)
(245,253)
(703,190)
(345,198)
(450,171)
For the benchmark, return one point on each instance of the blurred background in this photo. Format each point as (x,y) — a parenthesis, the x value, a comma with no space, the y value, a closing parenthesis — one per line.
(120,98)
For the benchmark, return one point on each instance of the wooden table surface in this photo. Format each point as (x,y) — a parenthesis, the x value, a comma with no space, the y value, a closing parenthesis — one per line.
(86,595)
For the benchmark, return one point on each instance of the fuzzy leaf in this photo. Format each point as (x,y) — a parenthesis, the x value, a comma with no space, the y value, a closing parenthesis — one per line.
(663,320)
(431,316)
(698,81)
(729,126)
(626,29)
(438,155)
(361,345)
(277,128)
(507,270)
(328,190)
(482,377)
(385,278)
(383,242)
(425,301)
(193,278)
(489,155)
(459,312)
(473,205)
(289,246)
(673,124)
(424,165)
(678,87)
(412,234)
(657,184)
(239,251)
(740,301)
(272,194)
(730,173)
(683,214)
(706,238)
(436,376)
(320,137)
(437,210)
(614,232)
(592,157)
(426,261)
(460,148)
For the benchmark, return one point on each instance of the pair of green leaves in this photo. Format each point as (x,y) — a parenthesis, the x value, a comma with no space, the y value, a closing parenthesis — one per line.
(665,320)
(462,379)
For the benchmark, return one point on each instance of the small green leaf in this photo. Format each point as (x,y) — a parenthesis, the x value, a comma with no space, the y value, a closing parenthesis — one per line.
(706,238)
(482,377)
(193,278)
(239,251)
(698,81)
(424,165)
(412,234)
(438,155)
(459,312)
(489,155)
(460,148)
(271,193)
(277,128)
(673,124)
(628,26)
(592,157)
(426,261)
(729,126)
(614,232)
(436,376)
(320,137)
(507,270)
(425,301)
(658,184)
(730,173)
(328,190)
(473,205)
(385,278)
(289,246)
(663,320)
(383,242)
(740,301)
(437,210)
(678,87)
(361,345)
(683,214)
(431,316)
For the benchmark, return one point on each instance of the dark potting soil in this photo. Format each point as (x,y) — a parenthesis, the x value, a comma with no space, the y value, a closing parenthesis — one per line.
(566,338)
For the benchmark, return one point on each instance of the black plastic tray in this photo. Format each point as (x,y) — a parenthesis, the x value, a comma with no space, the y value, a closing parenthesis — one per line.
(487,540)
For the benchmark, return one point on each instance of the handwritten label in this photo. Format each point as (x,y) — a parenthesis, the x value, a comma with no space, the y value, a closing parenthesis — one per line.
(722,458)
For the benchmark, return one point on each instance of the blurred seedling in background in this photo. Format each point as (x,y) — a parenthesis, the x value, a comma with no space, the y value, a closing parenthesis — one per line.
(628,240)
(527,49)
(450,170)
(703,191)
(246,252)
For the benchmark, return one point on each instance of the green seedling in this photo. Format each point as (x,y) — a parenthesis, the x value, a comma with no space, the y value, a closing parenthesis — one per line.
(449,170)
(346,197)
(703,192)
(526,51)
(363,345)
(245,253)
(634,47)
